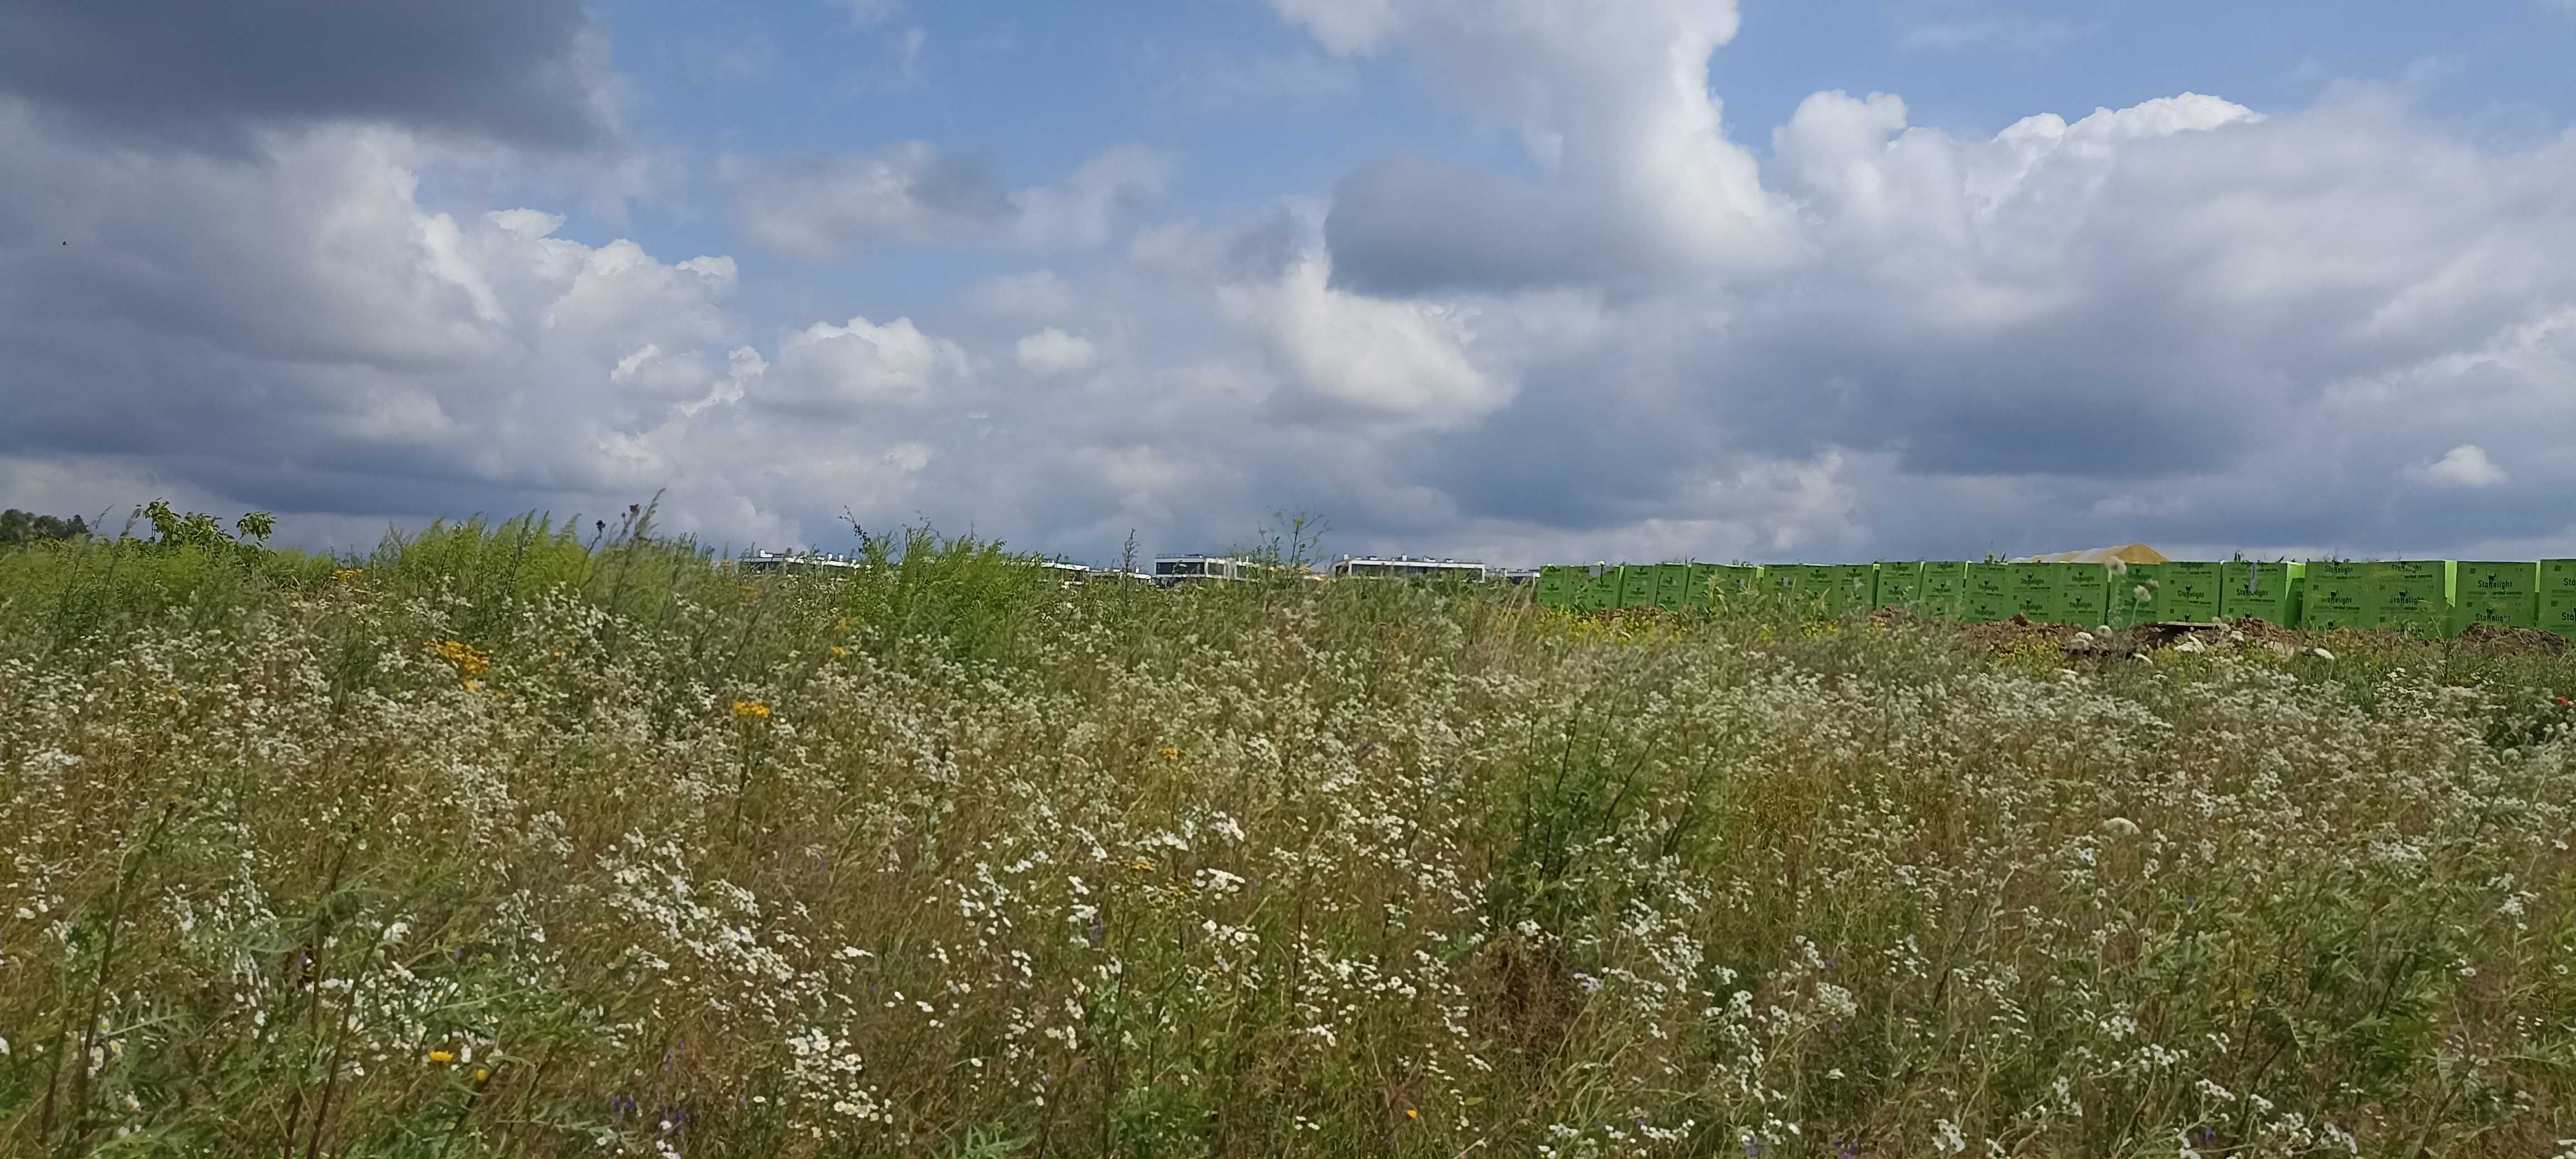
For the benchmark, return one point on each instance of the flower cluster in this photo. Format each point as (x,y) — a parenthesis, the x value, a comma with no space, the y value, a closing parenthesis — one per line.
(1435,877)
(470,661)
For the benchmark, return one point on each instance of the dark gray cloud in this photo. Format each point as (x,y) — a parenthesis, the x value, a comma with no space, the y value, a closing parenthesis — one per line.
(2338,328)
(2113,387)
(2178,323)
(913,192)
(1408,226)
(292,329)
(517,71)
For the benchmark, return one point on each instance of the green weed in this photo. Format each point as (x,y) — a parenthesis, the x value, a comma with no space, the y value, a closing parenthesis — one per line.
(534,838)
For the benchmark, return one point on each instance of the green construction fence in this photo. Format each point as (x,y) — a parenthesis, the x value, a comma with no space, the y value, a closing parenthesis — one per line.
(2423,597)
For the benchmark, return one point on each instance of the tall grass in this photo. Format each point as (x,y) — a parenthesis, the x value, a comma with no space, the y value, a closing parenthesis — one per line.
(515,840)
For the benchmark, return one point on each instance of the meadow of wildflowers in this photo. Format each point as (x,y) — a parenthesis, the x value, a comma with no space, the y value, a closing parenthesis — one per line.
(504,843)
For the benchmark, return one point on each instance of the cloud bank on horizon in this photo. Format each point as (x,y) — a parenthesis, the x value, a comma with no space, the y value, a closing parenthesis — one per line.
(458,267)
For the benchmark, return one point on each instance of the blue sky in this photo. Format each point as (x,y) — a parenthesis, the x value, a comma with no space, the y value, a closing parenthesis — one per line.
(1261,111)
(1035,88)
(1531,279)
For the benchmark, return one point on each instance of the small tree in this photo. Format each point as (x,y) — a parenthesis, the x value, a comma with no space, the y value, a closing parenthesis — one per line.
(26,527)
(174,529)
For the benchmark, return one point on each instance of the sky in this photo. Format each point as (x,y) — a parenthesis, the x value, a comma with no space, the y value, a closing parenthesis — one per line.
(1521,280)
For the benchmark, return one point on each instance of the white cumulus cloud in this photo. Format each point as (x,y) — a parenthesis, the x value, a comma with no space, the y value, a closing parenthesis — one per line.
(1399,360)
(2178,321)
(2463,466)
(1052,351)
(1611,101)
(827,369)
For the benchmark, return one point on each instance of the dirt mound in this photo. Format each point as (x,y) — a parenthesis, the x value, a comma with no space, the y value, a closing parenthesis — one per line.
(2262,631)
(1896,618)
(1616,615)
(2018,631)
(2152,636)
(2515,641)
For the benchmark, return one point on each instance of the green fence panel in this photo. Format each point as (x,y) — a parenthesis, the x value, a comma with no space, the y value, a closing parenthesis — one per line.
(2032,591)
(1900,584)
(1558,585)
(1733,587)
(1990,593)
(2505,593)
(1704,585)
(1819,594)
(1636,585)
(2557,613)
(2173,592)
(1672,586)
(1599,592)
(1854,588)
(2415,596)
(1801,588)
(2133,595)
(2261,590)
(2083,594)
(2494,578)
(1699,580)
(1944,586)
(2339,594)
(2558,596)
(1979,608)
(2424,597)
(1782,586)
(2522,611)
(1605,589)
(2191,591)
(1831,590)
(2558,577)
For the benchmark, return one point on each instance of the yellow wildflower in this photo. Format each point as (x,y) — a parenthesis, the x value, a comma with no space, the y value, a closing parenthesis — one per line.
(750,709)
(347,574)
(442,1057)
(482,1074)
(1169,753)
(1410,1113)
(839,651)
(469,660)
